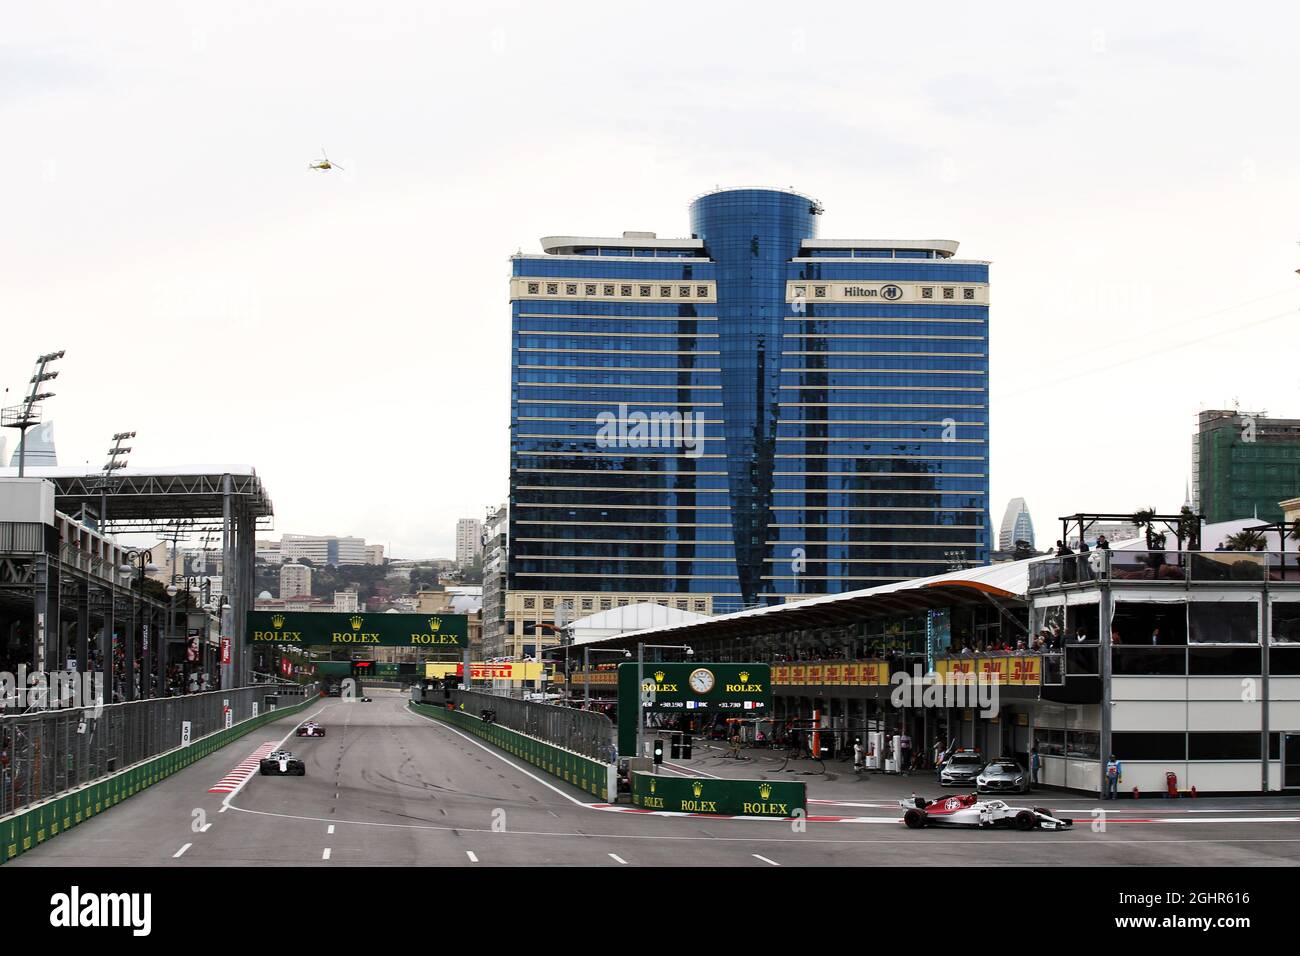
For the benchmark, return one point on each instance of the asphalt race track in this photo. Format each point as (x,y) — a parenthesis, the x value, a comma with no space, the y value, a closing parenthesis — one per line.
(388,787)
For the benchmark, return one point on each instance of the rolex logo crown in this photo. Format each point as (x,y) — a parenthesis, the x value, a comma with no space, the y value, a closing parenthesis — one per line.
(697,788)
(764,790)
(659,677)
(652,784)
(435,623)
(744,677)
(277,621)
(356,622)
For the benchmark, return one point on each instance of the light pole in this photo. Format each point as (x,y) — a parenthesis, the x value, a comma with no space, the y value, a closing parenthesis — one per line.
(27,414)
(140,560)
(640,681)
(112,465)
(203,585)
(172,591)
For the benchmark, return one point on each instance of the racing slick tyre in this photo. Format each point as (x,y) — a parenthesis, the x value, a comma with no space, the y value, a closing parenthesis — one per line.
(1025,820)
(301,772)
(915,819)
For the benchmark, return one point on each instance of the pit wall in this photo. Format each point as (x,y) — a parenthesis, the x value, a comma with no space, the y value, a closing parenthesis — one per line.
(20,832)
(598,779)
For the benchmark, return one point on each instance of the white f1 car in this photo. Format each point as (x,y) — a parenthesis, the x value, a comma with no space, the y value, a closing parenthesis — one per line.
(970,811)
(311,729)
(282,763)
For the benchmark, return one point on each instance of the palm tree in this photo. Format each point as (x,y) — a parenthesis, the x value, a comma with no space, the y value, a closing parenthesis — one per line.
(1189,529)
(1143,519)
(1246,541)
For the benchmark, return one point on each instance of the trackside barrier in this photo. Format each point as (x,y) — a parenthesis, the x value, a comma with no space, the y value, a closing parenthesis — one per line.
(593,776)
(581,731)
(21,831)
(736,798)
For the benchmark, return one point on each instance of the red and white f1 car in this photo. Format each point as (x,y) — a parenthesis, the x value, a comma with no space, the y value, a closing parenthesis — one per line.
(311,729)
(971,811)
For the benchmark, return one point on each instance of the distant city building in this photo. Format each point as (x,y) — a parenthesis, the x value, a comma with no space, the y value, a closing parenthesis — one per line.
(40,448)
(1017,525)
(295,580)
(469,541)
(494,581)
(345,602)
(268,551)
(1290,510)
(375,552)
(748,415)
(1114,532)
(1243,465)
(324,549)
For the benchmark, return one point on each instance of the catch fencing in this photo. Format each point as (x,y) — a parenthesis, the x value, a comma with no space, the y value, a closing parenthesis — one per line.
(46,753)
(582,731)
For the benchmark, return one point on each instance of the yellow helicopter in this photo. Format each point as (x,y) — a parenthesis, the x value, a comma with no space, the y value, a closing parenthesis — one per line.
(324,163)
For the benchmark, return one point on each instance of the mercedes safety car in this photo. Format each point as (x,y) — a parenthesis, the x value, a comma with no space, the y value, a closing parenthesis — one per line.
(311,729)
(282,763)
(970,810)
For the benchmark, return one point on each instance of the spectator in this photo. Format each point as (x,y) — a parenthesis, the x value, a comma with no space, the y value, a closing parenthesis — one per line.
(858,755)
(1114,773)
(1102,543)
(1034,762)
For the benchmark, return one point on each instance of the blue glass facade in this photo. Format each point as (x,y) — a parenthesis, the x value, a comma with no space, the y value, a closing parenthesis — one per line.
(834,430)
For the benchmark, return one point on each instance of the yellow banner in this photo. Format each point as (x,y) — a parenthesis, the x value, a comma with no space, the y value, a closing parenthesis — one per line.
(509,671)
(867,673)
(596,677)
(1019,671)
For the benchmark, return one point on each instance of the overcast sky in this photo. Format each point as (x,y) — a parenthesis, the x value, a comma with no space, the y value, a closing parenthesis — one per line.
(1133,174)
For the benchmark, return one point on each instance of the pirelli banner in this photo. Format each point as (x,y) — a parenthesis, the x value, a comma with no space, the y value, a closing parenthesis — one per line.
(1012,670)
(320,629)
(833,674)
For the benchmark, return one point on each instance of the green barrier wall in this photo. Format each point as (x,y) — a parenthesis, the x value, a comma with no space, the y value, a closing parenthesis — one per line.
(737,798)
(582,772)
(25,829)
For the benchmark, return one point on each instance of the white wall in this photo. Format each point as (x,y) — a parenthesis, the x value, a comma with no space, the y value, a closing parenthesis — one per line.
(27,499)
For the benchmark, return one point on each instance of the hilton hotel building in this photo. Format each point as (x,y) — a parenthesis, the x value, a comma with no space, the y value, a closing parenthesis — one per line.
(751,415)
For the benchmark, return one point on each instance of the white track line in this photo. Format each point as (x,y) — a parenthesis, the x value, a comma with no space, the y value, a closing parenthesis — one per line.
(764,859)
(181,850)
(330,831)
(326,854)
(494,753)
(617,859)
(472,857)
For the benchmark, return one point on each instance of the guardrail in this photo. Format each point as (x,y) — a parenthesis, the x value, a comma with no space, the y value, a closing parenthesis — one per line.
(582,731)
(46,753)
(1178,567)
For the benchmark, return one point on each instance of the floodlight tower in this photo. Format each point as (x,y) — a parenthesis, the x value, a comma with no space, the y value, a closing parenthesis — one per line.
(27,414)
